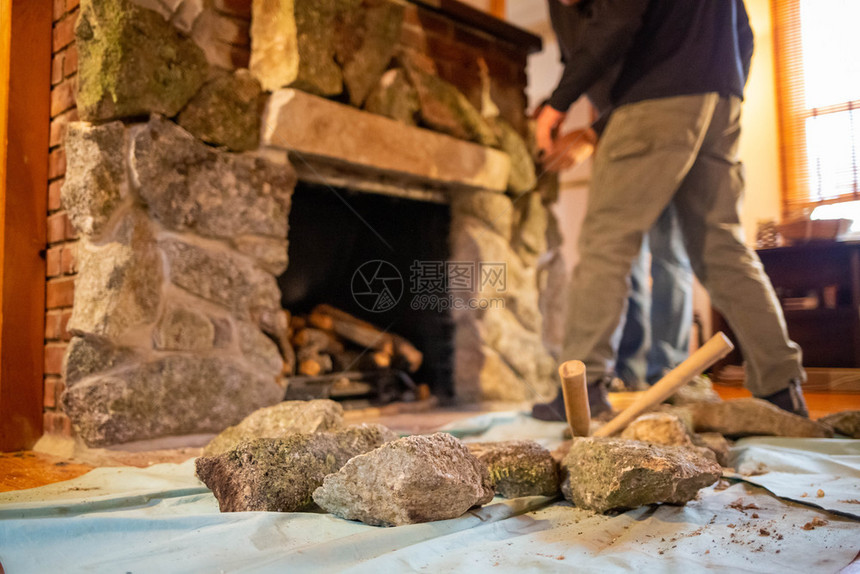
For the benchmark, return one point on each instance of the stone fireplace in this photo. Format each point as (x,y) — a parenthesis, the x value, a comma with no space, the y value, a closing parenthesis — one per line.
(211,193)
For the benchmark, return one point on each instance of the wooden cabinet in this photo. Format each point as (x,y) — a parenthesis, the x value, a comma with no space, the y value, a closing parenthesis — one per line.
(818,284)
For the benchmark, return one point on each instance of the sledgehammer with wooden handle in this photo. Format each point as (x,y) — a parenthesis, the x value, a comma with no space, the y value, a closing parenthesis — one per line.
(715,349)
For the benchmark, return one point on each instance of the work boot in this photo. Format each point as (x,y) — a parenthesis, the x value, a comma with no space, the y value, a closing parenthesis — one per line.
(790,399)
(598,402)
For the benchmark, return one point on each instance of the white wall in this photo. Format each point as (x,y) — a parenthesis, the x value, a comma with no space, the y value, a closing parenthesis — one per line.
(759,138)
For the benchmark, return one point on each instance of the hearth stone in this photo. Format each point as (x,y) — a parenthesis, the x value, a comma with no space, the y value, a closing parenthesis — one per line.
(96,175)
(312,126)
(173,395)
(280,421)
(189,186)
(226,111)
(132,62)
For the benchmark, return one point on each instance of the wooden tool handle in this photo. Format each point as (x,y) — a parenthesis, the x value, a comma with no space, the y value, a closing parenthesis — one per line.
(575,392)
(715,349)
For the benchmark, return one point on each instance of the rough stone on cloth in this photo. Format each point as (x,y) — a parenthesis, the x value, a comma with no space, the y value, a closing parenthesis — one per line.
(281,474)
(173,395)
(132,62)
(716,443)
(366,40)
(658,428)
(518,467)
(444,108)
(226,112)
(744,417)
(279,421)
(845,422)
(394,97)
(411,480)
(608,473)
(119,280)
(699,390)
(96,180)
(189,186)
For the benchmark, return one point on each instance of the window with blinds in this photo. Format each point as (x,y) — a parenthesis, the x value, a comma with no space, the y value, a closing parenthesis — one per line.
(818,86)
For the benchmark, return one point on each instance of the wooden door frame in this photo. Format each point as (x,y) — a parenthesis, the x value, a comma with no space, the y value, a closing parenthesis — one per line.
(25,115)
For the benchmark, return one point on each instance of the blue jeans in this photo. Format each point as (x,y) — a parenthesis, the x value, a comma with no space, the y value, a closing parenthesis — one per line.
(655,334)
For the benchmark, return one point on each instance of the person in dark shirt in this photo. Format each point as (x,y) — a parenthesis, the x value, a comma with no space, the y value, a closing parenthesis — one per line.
(655,332)
(671,136)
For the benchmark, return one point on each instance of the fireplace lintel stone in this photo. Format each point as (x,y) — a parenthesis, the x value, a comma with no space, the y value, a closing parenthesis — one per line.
(322,130)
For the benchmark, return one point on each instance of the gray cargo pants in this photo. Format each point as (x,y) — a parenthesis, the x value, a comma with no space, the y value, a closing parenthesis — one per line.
(682,150)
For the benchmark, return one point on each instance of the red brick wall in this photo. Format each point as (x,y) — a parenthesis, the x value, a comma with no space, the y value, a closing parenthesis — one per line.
(61,236)
(456,49)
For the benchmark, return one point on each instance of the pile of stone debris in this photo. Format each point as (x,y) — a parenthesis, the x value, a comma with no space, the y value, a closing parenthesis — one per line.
(298,456)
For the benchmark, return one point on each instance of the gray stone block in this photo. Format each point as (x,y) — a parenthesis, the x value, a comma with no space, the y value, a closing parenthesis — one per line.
(96,180)
(173,395)
(407,481)
(224,278)
(744,417)
(119,281)
(132,62)
(606,474)
(226,112)
(309,125)
(281,474)
(189,186)
(518,467)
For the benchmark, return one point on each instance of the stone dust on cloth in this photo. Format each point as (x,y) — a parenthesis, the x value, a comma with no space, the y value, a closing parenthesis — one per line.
(163,519)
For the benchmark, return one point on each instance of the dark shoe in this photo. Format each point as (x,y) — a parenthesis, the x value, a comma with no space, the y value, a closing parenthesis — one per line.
(790,399)
(598,402)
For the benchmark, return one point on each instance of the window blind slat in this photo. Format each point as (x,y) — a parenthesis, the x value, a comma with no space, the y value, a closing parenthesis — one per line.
(817,144)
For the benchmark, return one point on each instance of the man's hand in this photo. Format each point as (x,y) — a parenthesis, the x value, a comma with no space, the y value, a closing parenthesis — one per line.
(547,123)
(570,149)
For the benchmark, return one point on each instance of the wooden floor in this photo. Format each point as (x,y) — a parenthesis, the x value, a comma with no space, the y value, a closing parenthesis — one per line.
(29,469)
